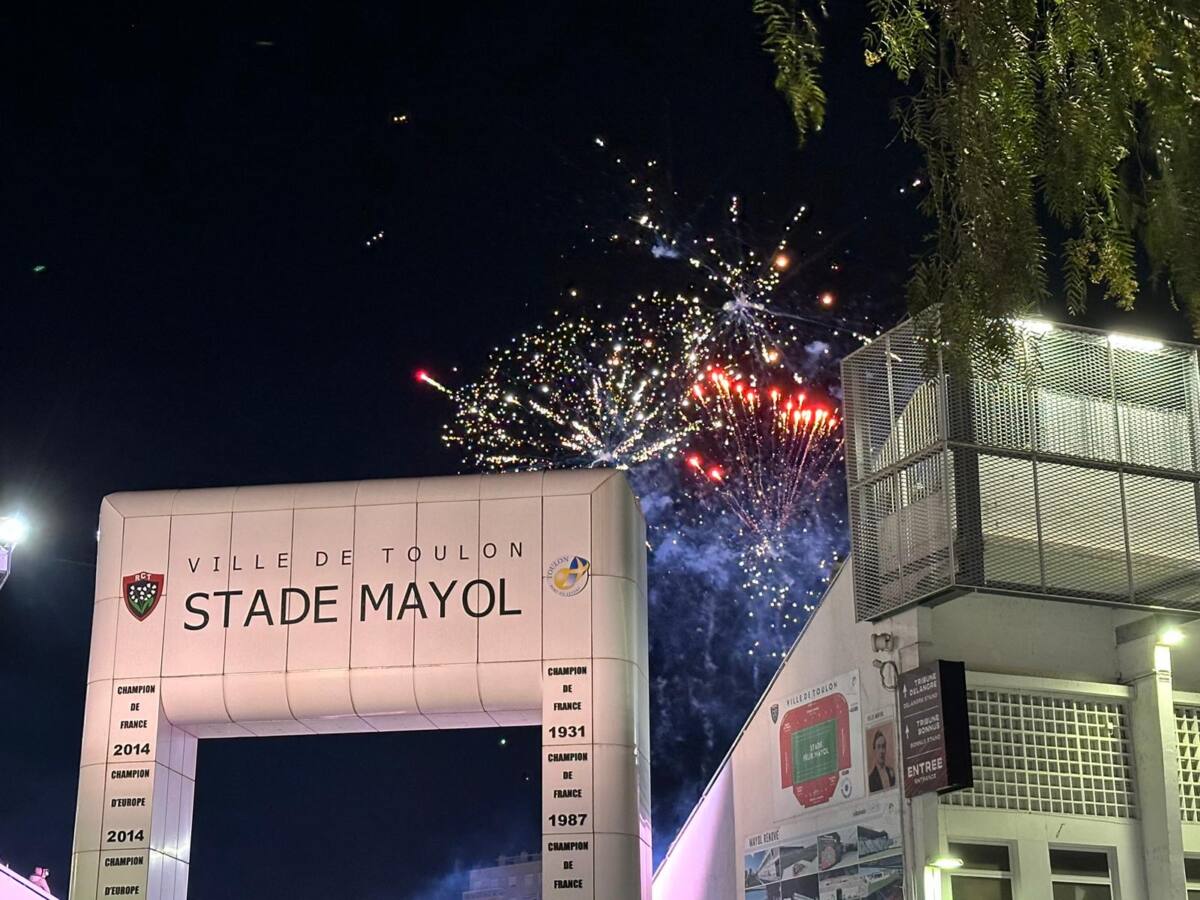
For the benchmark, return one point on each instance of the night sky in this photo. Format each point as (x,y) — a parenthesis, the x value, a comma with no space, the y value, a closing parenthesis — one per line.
(188,300)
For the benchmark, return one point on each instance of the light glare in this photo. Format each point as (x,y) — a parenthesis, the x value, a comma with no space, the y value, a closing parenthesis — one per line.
(1034,326)
(947,862)
(13,530)
(1130,342)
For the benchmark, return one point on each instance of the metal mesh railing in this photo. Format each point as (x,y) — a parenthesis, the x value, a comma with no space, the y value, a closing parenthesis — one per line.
(1072,471)
(1048,754)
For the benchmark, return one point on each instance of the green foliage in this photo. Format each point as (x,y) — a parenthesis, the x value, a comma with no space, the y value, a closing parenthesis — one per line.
(1086,112)
(792,40)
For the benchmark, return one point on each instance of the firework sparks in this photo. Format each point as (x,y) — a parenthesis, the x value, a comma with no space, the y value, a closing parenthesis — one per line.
(741,494)
(766,454)
(766,449)
(632,392)
(425,378)
(581,392)
(755,291)
(741,288)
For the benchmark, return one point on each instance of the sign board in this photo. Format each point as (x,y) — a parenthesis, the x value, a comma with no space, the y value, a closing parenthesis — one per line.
(820,759)
(934,736)
(476,601)
(850,850)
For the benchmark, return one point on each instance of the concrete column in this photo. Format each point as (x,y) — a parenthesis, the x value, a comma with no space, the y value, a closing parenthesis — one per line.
(929,841)
(133,820)
(595,710)
(1146,667)
(1031,865)
(922,822)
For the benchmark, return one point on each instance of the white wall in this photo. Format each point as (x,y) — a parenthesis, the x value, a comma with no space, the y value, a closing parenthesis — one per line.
(706,860)
(831,644)
(1026,636)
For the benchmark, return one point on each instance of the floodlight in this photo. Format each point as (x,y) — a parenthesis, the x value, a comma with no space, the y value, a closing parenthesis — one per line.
(1132,342)
(13,530)
(1171,637)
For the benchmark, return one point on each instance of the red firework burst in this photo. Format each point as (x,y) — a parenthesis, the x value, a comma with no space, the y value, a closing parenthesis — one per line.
(764,451)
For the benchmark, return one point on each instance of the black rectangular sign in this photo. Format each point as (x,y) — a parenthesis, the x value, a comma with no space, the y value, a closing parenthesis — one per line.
(934,735)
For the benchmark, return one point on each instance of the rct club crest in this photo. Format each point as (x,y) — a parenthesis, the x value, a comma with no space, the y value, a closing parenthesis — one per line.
(142,593)
(774,713)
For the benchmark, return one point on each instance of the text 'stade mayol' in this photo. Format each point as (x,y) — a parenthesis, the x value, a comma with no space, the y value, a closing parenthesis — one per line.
(478,597)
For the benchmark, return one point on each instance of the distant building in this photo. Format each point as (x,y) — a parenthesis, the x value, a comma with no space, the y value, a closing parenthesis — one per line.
(14,887)
(512,878)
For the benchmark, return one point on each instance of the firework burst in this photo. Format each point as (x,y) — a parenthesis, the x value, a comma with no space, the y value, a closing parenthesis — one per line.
(581,392)
(741,287)
(766,454)
(766,299)
(765,449)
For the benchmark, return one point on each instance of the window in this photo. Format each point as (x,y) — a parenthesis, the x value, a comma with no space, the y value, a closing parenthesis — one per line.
(1080,874)
(1191,867)
(986,873)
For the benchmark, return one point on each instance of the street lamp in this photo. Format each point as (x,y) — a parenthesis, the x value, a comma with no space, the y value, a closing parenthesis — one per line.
(13,530)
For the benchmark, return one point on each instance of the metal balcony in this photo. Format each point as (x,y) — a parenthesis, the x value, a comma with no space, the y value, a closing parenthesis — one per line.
(1072,473)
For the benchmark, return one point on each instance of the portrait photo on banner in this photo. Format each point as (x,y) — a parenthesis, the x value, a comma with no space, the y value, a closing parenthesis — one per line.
(881,755)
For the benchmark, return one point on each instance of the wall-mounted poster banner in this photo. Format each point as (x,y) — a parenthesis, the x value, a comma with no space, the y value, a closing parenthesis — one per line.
(843,854)
(820,750)
(881,752)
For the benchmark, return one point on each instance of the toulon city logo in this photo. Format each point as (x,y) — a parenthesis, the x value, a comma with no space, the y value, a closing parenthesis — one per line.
(142,593)
(478,597)
(568,575)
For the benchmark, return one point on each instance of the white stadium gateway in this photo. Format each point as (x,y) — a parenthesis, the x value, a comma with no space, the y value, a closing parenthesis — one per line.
(392,605)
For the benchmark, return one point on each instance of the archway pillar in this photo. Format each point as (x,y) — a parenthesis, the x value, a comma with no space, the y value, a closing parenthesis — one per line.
(136,784)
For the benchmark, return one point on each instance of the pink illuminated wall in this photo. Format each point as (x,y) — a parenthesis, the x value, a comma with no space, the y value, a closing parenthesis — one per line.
(702,861)
(14,887)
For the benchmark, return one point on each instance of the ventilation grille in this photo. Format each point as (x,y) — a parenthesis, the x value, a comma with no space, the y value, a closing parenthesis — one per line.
(1048,754)
(1187,723)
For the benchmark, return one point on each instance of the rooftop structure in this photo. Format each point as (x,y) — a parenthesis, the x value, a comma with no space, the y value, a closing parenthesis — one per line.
(1071,472)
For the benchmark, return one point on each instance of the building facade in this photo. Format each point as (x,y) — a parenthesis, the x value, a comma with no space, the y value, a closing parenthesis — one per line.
(1038,525)
(512,878)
